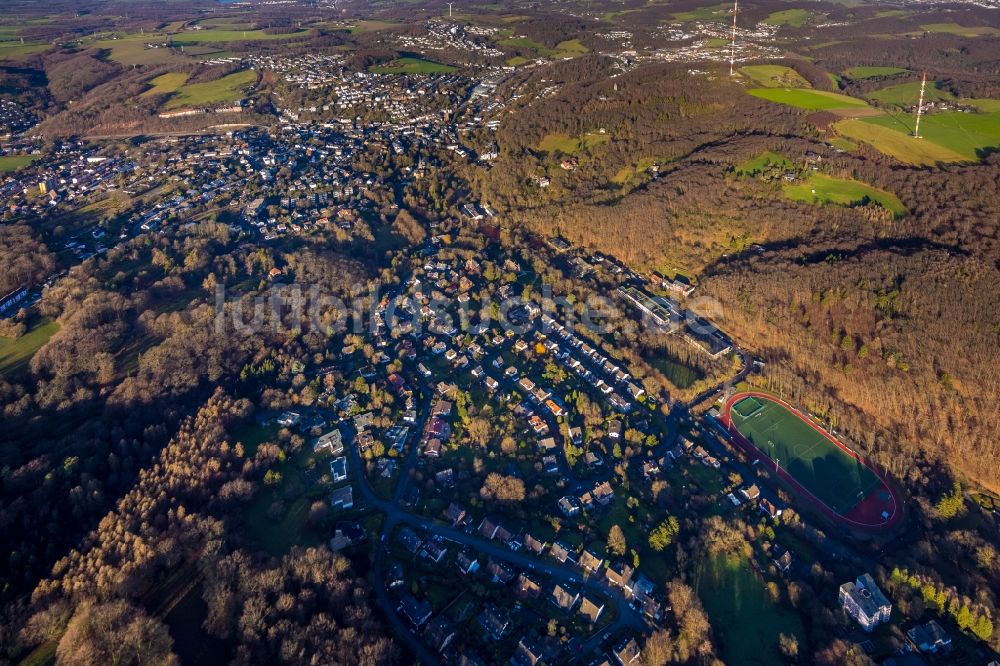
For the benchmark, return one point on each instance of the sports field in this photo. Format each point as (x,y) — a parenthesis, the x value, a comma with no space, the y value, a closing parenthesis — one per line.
(825,470)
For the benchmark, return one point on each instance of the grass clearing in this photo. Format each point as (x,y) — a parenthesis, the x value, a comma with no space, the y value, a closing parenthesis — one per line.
(907,94)
(824,469)
(412,66)
(795,18)
(703,13)
(11,163)
(745,620)
(17,51)
(775,76)
(961,30)
(571,48)
(227,89)
(224,36)
(873,72)
(950,136)
(763,162)
(810,100)
(167,83)
(15,354)
(821,189)
(984,105)
(559,142)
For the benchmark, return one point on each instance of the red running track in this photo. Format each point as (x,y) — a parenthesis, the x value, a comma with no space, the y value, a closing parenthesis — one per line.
(866,515)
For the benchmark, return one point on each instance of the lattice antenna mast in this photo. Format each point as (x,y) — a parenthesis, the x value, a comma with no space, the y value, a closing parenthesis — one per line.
(920,106)
(732,45)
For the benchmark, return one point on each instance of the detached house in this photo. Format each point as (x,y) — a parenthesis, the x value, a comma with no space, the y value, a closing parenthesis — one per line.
(864,601)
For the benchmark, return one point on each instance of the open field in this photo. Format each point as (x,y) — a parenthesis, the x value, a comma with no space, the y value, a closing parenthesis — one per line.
(412,66)
(223,36)
(775,76)
(167,83)
(821,189)
(744,618)
(9,163)
(131,50)
(811,100)
(946,137)
(558,142)
(227,89)
(15,354)
(825,470)
(907,94)
(961,30)
(872,72)
(570,48)
(793,17)
(703,13)
(762,162)
(16,50)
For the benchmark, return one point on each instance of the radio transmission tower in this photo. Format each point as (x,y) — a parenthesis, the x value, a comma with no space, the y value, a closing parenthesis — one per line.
(920,106)
(732,45)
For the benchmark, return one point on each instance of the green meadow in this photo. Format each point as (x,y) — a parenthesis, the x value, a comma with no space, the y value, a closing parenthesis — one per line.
(763,162)
(167,83)
(412,66)
(775,76)
(907,94)
(873,72)
(746,621)
(15,354)
(822,189)
(9,163)
(227,89)
(795,18)
(811,100)
(961,30)
(559,142)
(966,134)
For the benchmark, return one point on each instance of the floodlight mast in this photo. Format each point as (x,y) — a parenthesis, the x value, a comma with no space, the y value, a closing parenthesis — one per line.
(920,106)
(732,46)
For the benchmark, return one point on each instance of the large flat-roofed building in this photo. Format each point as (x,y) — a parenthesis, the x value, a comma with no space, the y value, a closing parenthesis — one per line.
(662,311)
(864,601)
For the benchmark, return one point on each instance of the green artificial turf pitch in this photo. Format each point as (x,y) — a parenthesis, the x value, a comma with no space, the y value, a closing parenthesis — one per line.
(824,469)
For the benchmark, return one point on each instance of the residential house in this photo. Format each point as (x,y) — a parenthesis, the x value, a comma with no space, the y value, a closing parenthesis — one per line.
(342,499)
(562,553)
(526,587)
(330,443)
(769,509)
(589,561)
(569,506)
(467,562)
(626,652)
(750,492)
(563,598)
(527,653)
(338,469)
(411,542)
(417,612)
(603,493)
(591,609)
(534,545)
(864,602)
(439,633)
(929,638)
(499,572)
(456,514)
(620,574)
(494,622)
